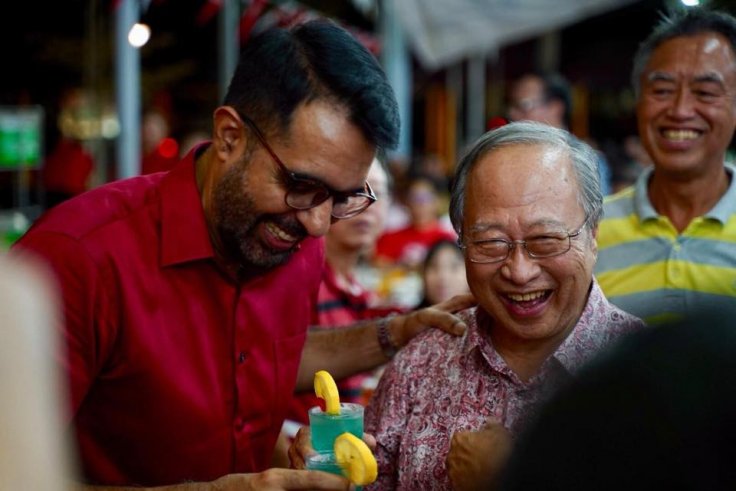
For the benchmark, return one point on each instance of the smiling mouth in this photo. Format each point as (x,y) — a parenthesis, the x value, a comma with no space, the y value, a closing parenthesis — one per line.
(680,135)
(280,233)
(529,299)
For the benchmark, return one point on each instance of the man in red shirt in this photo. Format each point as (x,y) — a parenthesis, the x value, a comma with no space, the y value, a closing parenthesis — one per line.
(187,294)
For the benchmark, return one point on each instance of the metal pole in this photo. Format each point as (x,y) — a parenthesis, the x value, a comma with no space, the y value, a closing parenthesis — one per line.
(456,91)
(228,46)
(475,105)
(128,91)
(397,64)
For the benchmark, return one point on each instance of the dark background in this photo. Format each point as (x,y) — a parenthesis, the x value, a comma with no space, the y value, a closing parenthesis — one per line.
(54,45)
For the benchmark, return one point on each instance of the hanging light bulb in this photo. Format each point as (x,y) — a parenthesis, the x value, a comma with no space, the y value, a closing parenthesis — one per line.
(139,35)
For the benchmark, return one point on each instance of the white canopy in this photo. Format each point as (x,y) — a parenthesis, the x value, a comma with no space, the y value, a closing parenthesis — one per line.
(445,31)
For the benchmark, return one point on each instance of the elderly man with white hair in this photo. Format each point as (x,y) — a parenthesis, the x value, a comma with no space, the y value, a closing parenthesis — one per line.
(526,203)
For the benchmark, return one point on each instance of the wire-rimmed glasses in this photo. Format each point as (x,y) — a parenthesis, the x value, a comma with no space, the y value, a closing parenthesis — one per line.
(538,247)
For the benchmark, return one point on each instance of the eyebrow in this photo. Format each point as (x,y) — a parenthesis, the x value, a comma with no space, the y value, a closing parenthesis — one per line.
(306,177)
(660,77)
(546,222)
(709,77)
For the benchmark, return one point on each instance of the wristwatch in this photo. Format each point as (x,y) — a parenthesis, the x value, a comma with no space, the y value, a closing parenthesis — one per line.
(388,348)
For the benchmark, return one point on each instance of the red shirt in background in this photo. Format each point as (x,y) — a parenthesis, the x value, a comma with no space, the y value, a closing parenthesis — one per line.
(409,245)
(176,372)
(338,307)
(67,168)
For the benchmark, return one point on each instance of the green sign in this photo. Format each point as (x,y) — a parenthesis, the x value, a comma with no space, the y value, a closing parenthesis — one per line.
(20,137)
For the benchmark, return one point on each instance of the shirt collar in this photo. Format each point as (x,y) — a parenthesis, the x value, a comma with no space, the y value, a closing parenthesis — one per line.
(582,343)
(589,334)
(725,207)
(643,206)
(478,338)
(184,233)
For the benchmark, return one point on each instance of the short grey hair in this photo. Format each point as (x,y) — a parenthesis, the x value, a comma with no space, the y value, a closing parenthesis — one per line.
(584,160)
(683,23)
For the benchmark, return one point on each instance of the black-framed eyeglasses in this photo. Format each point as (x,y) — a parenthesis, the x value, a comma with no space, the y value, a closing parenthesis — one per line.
(303,193)
(538,247)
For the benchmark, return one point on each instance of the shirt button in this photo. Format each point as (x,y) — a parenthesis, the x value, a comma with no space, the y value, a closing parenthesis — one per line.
(241,357)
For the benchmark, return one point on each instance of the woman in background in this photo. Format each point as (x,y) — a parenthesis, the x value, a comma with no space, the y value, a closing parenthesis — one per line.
(443,273)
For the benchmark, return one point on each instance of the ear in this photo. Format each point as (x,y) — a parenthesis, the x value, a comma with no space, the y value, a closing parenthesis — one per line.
(228,135)
(594,240)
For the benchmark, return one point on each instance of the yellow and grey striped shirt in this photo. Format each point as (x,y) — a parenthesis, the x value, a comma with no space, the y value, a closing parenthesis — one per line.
(646,268)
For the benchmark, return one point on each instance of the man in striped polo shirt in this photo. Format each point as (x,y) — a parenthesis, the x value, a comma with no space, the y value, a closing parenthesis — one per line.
(667,245)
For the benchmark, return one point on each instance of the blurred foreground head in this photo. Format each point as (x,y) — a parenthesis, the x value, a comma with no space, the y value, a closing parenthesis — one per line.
(656,412)
(33,451)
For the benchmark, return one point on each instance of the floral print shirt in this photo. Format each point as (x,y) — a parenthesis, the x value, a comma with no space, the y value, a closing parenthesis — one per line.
(440,384)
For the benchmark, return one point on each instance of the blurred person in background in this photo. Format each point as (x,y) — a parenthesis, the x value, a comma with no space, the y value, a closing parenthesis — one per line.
(408,246)
(443,273)
(667,242)
(160,150)
(342,299)
(546,98)
(636,159)
(188,294)
(526,203)
(398,215)
(433,167)
(67,169)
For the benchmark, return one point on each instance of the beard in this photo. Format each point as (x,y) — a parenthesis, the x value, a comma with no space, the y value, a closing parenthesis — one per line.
(237,219)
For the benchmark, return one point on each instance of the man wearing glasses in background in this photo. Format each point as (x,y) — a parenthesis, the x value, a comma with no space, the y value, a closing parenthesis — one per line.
(187,294)
(525,203)
(547,98)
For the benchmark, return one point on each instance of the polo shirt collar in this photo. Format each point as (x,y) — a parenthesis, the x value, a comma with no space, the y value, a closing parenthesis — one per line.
(725,207)
(643,206)
(184,233)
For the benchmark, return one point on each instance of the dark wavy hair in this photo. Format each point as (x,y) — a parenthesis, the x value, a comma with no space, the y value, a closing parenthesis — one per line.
(282,68)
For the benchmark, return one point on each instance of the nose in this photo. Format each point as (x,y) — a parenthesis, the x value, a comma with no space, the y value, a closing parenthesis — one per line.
(316,220)
(682,106)
(519,268)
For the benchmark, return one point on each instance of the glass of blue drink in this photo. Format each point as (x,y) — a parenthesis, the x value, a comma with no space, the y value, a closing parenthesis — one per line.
(325,428)
(326,462)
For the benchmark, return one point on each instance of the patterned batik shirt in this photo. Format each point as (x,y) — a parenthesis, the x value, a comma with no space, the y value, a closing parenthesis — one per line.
(440,384)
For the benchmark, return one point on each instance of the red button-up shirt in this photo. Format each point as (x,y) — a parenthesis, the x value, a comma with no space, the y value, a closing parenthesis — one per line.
(176,372)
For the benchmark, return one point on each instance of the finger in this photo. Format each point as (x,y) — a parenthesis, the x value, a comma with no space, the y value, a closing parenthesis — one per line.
(457,303)
(370,440)
(300,448)
(455,440)
(445,321)
(317,480)
(491,422)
